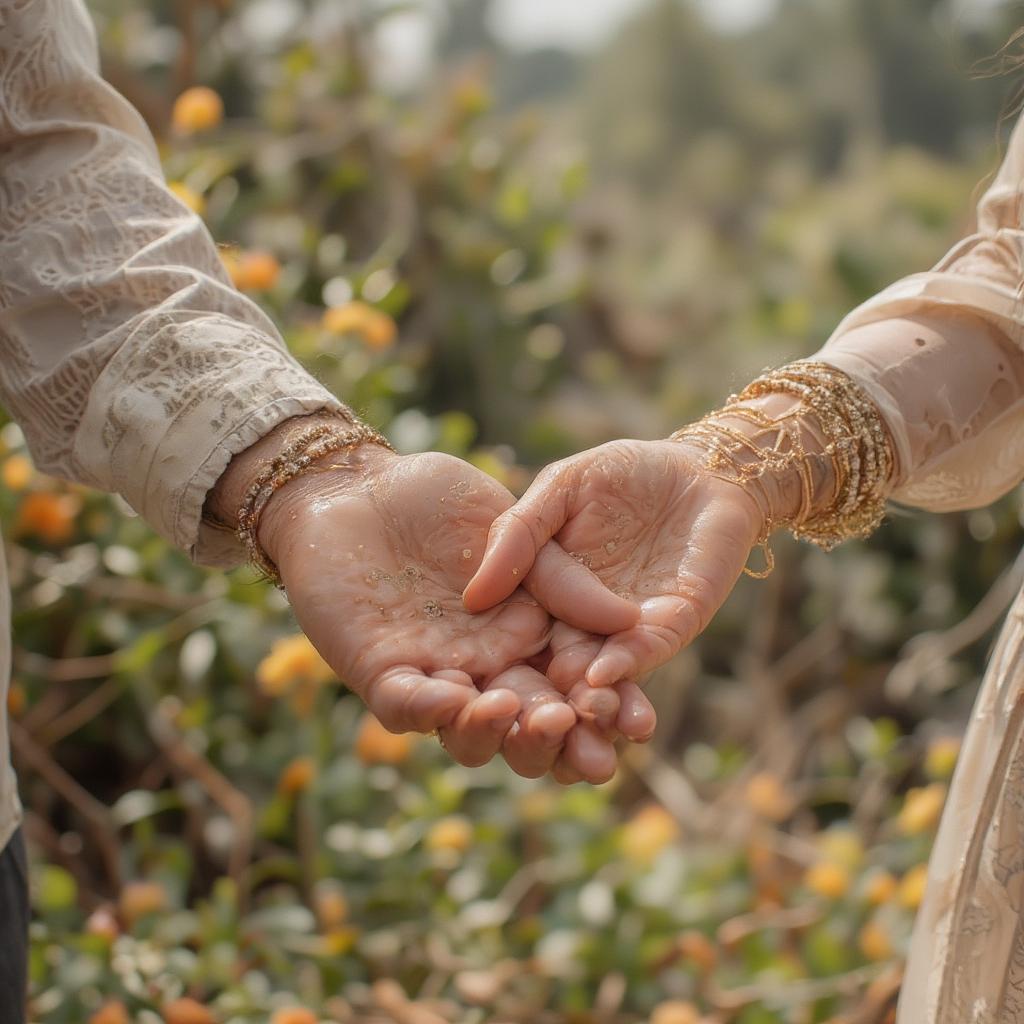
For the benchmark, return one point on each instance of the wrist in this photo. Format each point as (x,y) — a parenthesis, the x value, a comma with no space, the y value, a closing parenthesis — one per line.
(330,477)
(325,445)
(791,488)
(226,495)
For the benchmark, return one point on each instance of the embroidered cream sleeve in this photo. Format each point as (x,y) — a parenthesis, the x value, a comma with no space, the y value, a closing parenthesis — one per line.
(126,356)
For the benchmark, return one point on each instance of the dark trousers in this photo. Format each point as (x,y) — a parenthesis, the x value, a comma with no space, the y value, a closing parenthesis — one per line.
(13,931)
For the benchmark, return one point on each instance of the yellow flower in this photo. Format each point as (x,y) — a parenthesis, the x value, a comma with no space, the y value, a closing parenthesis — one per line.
(874,941)
(675,1011)
(912,886)
(827,879)
(339,941)
(452,833)
(377,329)
(647,833)
(17,473)
(767,797)
(841,846)
(880,888)
(940,760)
(196,110)
(292,660)
(375,745)
(297,776)
(922,809)
(189,196)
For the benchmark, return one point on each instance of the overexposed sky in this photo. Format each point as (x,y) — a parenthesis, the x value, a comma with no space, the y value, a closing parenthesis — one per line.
(581,24)
(405,40)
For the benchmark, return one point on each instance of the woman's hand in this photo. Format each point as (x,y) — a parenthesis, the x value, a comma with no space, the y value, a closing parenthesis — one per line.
(375,553)
(652,524)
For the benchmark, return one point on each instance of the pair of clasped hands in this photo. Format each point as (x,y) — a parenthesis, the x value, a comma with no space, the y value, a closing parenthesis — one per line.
(522,627)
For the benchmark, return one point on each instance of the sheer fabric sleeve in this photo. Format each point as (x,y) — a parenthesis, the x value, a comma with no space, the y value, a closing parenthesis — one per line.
(126,356)
(942,355)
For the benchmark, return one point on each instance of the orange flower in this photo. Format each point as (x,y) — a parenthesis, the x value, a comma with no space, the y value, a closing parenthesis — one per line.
(292,660)
(187,1011)
(647,833)
(252,270)
(376,329)
(297,776)
(139,899)
(112,1012)
(330,904)
(189,196)
(48,516)
(697,949)
(375,745)
(294,1015)
(881,888)
(16,699)
(17,473)
(767,797)
(874,942)
(197,110)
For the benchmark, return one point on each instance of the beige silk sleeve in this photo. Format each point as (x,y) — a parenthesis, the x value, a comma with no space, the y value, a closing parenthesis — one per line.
(942,354)
(126,356)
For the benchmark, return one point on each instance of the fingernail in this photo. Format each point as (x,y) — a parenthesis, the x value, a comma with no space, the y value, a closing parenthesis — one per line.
(550,723)
(504,723)
(602,672)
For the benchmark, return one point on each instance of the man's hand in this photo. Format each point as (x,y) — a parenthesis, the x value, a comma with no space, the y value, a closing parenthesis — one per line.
(375,550)
(655,527)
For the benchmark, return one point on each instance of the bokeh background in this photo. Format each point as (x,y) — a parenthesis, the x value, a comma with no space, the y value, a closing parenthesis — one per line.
(510,231)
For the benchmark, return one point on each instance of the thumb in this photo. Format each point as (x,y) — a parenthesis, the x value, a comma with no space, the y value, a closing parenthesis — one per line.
(515,539)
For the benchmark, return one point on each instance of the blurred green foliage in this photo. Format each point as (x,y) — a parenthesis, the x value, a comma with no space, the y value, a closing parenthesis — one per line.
(572,249)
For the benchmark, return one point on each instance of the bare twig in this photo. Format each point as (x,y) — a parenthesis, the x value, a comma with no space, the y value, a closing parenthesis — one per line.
(926,653)
(233,801)
(96,814)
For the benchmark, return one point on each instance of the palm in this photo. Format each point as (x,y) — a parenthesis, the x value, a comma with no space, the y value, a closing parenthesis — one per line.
(413,542)
(375,572)
(654,527)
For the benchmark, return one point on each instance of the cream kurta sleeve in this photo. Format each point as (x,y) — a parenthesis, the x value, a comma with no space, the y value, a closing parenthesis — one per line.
(942,354)
(126,356)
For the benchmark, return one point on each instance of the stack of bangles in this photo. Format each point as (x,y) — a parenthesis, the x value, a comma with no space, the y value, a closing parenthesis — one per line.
(298,457)
(856,452)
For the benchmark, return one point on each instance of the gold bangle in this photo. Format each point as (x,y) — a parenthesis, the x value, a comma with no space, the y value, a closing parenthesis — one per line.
(295,458)
(857,448)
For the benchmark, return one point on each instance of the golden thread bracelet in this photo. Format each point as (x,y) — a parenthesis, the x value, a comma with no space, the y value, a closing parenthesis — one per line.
(297,457)
(857,449)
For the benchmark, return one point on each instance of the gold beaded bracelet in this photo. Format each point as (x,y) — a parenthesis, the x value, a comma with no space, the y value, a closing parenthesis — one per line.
(857,449)
(296,458)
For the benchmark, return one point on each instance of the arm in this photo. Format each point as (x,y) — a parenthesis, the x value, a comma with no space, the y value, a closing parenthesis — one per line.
(129,360)
(134,366)
(942,355)
(937,370)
